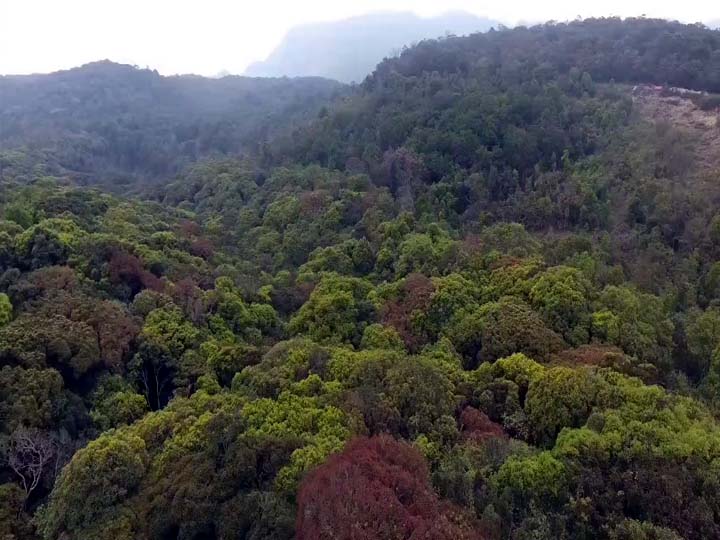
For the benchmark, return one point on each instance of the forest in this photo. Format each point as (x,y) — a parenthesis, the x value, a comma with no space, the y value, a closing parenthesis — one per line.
(476,297)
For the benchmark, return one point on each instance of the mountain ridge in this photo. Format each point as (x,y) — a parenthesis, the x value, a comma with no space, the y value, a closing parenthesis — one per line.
(348,50)
(108,120)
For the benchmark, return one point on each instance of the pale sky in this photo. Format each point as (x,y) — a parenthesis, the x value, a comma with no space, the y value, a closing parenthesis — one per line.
(207,36)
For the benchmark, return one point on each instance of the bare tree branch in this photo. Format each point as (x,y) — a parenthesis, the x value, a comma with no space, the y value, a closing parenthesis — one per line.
(29,451)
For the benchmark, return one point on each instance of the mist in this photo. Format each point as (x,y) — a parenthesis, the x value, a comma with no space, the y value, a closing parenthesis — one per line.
(225,36)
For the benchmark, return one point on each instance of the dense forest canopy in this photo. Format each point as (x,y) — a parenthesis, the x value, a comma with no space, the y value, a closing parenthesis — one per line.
(475,297)
(110,123)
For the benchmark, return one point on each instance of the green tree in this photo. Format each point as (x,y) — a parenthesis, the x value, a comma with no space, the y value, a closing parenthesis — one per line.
(563,295)
(338,311)
(6,309)
(87,500)
(499,329)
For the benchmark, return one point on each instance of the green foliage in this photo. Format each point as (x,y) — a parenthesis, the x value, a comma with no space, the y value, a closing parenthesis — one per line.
(563,296)
(536,476)
(286,363)
(518,368)
(474,253)
(453,294)
(92,487)
(560,397)
(319,430)
(425,253)
(642,530)
(377,336)
(703,335)
(167,329)
(31,397)
(338,311)
(499,329)
(6,309)
(115,404)
(636,322)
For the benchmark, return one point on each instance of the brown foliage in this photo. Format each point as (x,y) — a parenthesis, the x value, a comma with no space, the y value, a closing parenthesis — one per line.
(54,278)
(312,203)
(129,270)
(589,355)
(377,489)
(415,296)
(402,167)
(202,247)
(476,426)
(189,229)
(43,281)
(608,356)
(113,327)
(115,330)
(189,297)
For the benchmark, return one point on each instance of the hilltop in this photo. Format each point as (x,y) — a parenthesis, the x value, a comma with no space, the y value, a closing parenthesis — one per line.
(349,50)
(113,124)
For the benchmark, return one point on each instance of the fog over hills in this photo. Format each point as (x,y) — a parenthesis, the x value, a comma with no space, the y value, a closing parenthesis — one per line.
(349,50)
(109,123)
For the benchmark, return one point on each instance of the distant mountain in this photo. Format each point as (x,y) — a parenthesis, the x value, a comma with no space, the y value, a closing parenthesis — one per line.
(111,123)
(349,50)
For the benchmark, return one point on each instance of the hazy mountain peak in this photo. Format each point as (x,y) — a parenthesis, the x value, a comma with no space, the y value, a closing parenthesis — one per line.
(348,50)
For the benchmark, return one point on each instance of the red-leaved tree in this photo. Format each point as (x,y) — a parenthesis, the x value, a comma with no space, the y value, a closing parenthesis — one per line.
(476,426)
(129,270)
(377,489)
(414,296)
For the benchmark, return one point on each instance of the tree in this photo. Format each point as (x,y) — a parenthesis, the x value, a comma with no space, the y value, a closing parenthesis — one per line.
(86,497)
(33,398)
(112,325)
(115,404)
(29,453)
(453,294)
(338,311)
(636,322)
(6,309)
(39,342)
(560,397)
(562,295)
(412,298)
(499,329)
(15,522)
(476,426)
(703,336)
(377,489)
(128,271)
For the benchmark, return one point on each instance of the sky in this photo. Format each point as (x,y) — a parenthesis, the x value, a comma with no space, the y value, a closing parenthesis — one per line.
(210,36)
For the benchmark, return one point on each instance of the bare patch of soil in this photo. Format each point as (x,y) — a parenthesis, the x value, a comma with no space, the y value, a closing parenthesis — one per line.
(681,112)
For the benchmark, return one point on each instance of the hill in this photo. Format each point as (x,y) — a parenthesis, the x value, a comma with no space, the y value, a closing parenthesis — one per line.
(349,50)
(115,124)
(476,297)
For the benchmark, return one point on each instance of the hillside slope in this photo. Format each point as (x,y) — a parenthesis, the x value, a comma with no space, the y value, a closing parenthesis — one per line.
(696,115)
(476,298)
(110,123)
